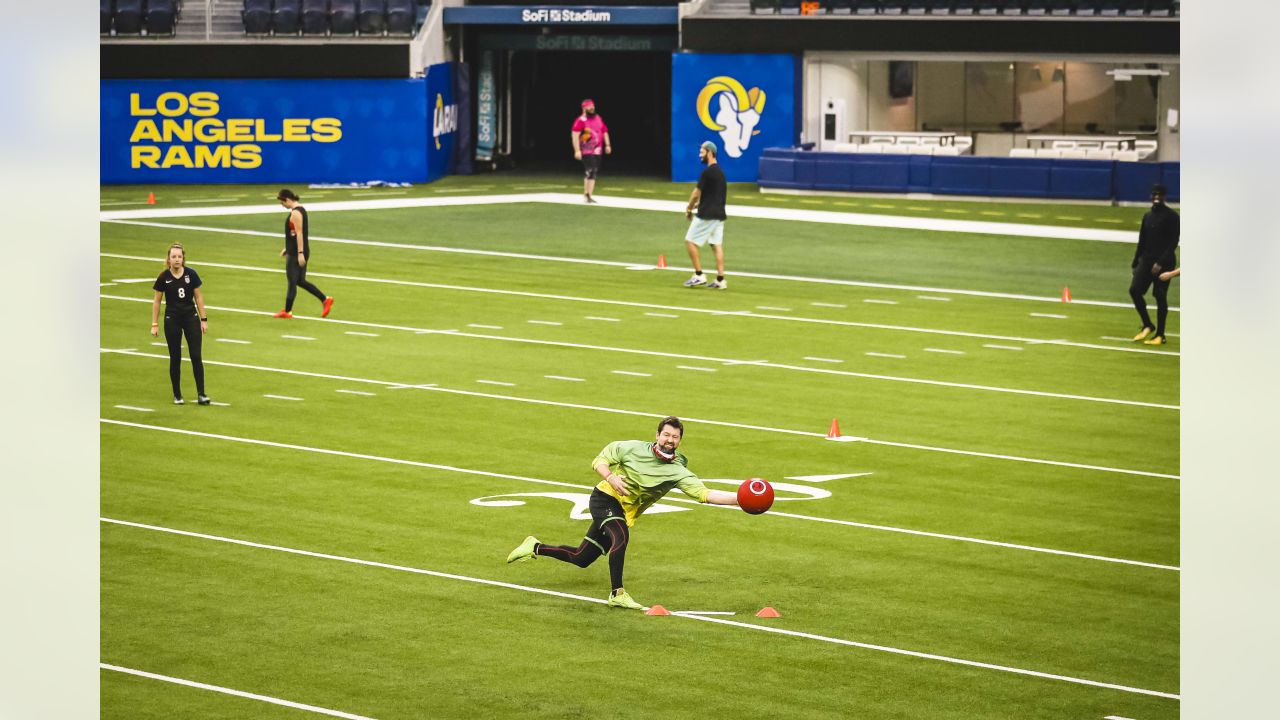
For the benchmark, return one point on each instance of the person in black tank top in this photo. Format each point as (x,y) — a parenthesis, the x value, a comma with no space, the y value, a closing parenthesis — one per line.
(296,252)
(179,285)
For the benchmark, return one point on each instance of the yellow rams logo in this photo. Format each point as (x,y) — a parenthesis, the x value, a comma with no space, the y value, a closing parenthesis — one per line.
(731,110)
(444,120)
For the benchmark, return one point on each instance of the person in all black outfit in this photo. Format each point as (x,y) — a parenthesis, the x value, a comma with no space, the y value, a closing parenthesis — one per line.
(1157,241)
(296,252)
(179,285)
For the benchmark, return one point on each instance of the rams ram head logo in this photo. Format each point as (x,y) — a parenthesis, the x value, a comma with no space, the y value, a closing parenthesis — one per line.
(737,112)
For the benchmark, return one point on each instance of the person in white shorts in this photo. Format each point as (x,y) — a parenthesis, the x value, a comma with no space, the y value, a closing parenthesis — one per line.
(708,227)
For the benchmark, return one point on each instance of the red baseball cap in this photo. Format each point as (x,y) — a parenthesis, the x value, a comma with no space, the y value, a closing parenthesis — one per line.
(587,102)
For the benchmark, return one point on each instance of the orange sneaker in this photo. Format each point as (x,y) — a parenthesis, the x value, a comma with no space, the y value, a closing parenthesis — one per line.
(283,314)
(328,305)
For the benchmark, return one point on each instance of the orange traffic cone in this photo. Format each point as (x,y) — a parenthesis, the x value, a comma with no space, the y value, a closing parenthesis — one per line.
(1066,294)
(768,612)
(834,432)
(151,198)
(662,261)
(657,610)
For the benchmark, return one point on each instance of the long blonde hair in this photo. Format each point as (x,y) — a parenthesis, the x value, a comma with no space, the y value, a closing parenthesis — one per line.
(170,252)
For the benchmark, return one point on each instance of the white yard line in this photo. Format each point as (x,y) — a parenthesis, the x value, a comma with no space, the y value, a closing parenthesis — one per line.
(562,377)
(234,342)
(136,409)
(602,319)
(599,601)
(699,369)
(661,315)
(637,413)
(210,200)
(770,307)
(229,691)
(613,263)
(496,382)
(283,397)
(934,299)
(886,355)
(544,322)
(875,301)
(360,334)
(484,327)
(297,337)
(632,374)
(727,361)
(948,352)
(822,359)
(1055,316)
(828,305)
(356,392)
(1002,347)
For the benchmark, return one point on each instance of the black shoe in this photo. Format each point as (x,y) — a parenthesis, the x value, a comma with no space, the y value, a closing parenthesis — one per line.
(203,400)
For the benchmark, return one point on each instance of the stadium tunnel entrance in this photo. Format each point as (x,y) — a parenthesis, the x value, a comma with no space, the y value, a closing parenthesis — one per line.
(528,84)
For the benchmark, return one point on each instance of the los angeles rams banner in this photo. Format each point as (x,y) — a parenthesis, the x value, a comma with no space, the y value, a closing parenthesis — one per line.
(269,131)
(742,103)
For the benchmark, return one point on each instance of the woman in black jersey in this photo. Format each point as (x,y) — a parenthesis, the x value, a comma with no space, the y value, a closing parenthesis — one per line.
(179,285)
(296,252)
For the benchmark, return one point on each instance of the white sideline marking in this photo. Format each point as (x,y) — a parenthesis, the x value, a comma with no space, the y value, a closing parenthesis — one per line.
(688,616)
(236,342)
(229,691)
(880,302)
(770,307)
(544,322)
(625,265)
(122,202)
(496,382)
(1120,339)
(934,299)
(160,344)
(821,359)
(1055,316)
(106,284)
(356,392)
(703,612)
(886,355)
(828,305)
(948,352)
(603,319)
(521,478)
(573,298)
(297,337)
(137,409)
(1116,717)
(562,377)
(661,315)
(637,413)
(361,334)
(846,438)
(727,361)
(380,192)
(699,369)
(484,327)
(131,280)
(219,404)
(825,478)
(1001,347)
(633,374)
(282,397)
(211,200)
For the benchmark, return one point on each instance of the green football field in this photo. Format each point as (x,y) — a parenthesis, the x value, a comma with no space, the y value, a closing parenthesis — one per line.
(995,536)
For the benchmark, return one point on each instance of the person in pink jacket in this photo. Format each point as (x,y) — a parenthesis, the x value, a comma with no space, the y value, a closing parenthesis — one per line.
(590,140)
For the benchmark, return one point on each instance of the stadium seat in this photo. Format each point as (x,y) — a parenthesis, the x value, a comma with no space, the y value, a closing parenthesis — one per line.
(256,16)
(922,149)
(964,7)
(846,147)
(764,6)
(1133,7)
(951,150)
(286,16)
(1162,8)
(128,17)
(371,17)
(1099,154)
(1127,155)
(160,17)
(1060,7)
(1022,153)
(789,7)
(106,8)
(872,147)
(843,7)
(342,17)
(1048,152)
(315,17)
(400,17)
(1075,154)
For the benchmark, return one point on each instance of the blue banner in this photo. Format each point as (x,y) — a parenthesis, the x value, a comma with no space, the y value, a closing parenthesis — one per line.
(267,131)
(441,159)
(486,108)
(742,103)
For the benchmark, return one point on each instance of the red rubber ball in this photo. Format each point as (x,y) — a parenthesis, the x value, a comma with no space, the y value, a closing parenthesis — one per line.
(755,496)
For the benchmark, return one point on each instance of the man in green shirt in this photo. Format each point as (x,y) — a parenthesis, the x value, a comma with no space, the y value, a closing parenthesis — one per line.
(636,475)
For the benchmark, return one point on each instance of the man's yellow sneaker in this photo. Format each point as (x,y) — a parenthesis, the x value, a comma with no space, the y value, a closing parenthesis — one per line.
(1146,333)
(1157,340)
(525,551)
(621,599)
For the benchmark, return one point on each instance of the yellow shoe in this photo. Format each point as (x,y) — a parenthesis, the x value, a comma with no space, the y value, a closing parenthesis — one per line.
(1146,333)
(621,599)
(1157,340)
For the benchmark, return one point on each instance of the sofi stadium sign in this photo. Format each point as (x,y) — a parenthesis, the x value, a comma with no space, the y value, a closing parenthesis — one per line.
(565,15)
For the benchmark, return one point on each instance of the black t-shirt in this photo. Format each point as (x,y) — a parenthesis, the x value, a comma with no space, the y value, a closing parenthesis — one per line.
(711,203)
(179,292)
(291,240)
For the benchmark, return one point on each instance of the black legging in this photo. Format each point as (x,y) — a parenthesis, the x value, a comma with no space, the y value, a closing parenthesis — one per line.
(175,324)
(608,533)
(1143,278)
(297,275)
